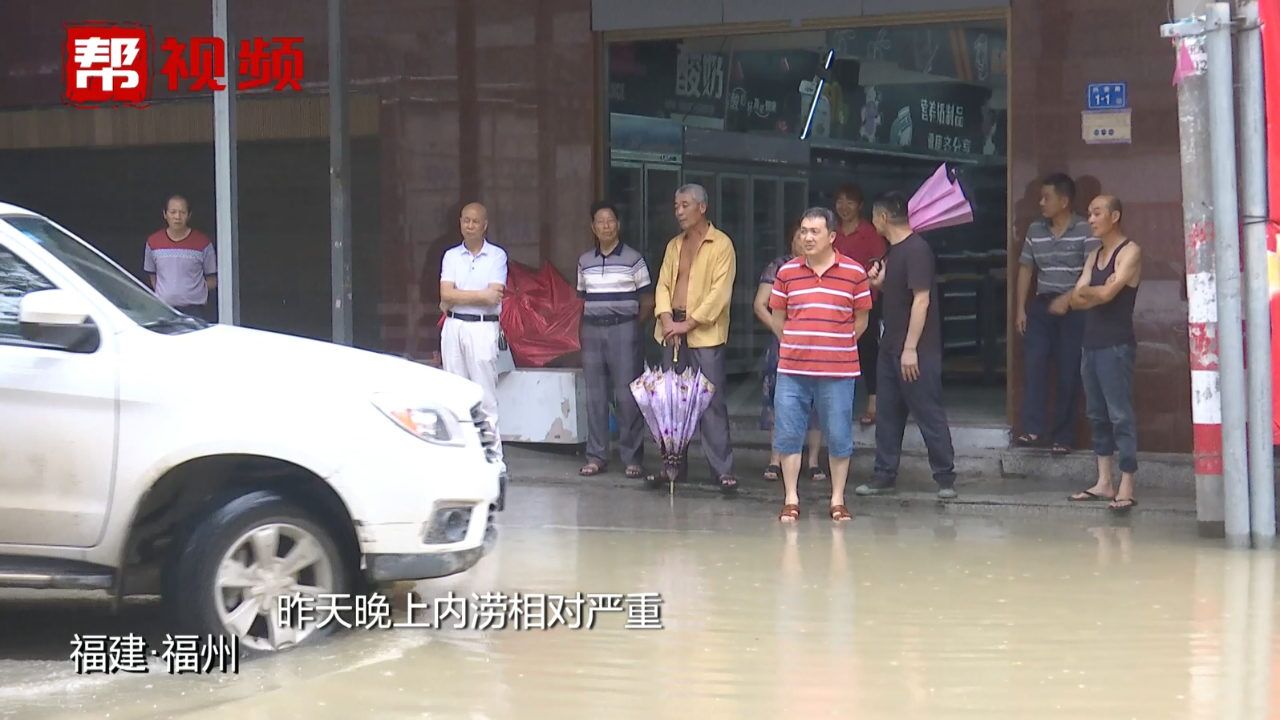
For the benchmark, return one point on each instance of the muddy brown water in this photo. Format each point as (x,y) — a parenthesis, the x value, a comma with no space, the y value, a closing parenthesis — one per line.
(906,615)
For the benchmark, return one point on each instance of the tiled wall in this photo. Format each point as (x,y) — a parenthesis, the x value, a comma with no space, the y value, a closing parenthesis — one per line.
(1057,49)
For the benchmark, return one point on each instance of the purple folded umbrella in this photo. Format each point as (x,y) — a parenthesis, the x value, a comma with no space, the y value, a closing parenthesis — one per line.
(672,404)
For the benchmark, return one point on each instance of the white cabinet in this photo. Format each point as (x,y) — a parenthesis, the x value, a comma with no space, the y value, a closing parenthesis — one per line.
(543,405)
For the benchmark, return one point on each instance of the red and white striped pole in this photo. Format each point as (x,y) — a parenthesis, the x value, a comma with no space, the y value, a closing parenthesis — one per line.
(1206,399)
(1202,291)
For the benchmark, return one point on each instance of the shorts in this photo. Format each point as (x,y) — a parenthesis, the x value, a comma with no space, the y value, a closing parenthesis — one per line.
(796,397)
(769,390)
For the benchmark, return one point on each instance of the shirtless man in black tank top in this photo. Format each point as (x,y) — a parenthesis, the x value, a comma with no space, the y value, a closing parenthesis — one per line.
(1107,289)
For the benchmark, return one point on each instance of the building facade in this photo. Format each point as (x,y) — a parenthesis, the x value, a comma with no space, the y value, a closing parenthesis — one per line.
(537,107)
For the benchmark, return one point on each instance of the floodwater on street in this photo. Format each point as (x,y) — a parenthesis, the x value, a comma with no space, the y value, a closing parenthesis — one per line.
(906,614)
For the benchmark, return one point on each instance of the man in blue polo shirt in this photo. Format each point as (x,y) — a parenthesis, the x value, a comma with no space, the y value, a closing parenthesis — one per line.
(614,281)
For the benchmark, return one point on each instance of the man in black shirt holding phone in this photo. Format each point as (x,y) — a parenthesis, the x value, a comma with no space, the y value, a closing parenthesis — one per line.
(910,369)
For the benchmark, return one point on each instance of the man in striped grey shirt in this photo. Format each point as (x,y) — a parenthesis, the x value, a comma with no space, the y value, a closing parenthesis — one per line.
(614,281)
(1053,255)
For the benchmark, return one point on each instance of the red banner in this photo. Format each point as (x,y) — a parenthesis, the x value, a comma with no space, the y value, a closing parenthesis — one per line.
(1270,11)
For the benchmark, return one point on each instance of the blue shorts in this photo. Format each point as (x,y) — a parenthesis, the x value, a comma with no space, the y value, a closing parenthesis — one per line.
(833,399)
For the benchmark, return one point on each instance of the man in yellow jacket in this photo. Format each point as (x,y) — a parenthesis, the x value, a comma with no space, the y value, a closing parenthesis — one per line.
(692,299)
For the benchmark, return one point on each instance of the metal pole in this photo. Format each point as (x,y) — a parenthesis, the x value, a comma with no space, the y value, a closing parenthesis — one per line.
(1226,216)
(339,181)
(1253,153)
(224,163)
(1202,311)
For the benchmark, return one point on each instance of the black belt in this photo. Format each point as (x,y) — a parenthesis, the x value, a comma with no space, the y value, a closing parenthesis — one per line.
(607,320)
(464,317)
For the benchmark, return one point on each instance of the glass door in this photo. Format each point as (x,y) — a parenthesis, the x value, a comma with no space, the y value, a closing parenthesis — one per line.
(660,185)
(768,230)
(626,188)
(733,201)
(795,199)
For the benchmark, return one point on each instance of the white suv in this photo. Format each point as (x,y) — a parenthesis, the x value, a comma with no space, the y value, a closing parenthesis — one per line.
(144,451)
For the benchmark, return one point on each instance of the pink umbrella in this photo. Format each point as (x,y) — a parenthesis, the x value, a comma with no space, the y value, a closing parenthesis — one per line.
(939,203)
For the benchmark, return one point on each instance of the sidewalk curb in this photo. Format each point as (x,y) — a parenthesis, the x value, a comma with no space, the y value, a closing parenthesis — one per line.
(910,500)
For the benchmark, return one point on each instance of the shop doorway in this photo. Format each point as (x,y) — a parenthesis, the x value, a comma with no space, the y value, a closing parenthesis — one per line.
(729,112)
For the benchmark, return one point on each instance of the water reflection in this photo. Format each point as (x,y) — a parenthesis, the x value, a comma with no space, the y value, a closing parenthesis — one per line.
(1232,649)
(890,616)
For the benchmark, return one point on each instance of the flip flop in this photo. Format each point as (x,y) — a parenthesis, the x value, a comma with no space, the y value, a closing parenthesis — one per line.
(1130,504)
(591,469)
(635,472)
(817,475)
(1089,497)
(1059,449)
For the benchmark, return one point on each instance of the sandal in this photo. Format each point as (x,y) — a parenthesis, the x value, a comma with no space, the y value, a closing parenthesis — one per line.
(790,513)
(1028,440)
(840,513)
(816,474)
(634,472)
(1089,496)
(773,473)
(591,469)
(728,483)
(1123,505)
(1060,449)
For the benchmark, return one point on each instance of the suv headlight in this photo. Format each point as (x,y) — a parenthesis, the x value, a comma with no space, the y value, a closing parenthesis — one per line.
(428,422)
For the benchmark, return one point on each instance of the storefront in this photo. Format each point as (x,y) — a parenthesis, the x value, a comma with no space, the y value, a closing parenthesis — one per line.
(997,90)
(735,114)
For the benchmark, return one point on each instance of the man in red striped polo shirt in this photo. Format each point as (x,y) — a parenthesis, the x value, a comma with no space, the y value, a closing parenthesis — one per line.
(820,305)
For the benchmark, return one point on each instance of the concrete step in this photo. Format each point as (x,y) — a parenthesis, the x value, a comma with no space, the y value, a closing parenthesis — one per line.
(979,494)
(981,451)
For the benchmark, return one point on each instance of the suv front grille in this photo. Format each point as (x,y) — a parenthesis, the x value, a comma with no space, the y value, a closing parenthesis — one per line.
(488,439)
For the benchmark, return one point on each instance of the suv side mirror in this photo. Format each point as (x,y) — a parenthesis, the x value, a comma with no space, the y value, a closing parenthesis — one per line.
(58,319)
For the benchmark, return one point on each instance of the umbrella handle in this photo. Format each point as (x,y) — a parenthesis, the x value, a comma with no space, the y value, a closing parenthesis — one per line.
(675,352)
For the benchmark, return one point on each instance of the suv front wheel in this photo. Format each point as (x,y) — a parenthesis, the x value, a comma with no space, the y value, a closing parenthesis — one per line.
(243,558)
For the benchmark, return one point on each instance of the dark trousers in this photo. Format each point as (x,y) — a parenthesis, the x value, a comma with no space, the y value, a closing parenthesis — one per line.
(1056,338)
(207,312)
(869,350)
(1108,391)
(610,361)
(714,425)
(922,400)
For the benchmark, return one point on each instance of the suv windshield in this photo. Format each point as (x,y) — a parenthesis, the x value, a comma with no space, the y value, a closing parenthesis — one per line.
(119,287)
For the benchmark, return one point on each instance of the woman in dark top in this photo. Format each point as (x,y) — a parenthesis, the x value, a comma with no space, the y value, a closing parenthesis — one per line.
(764,314)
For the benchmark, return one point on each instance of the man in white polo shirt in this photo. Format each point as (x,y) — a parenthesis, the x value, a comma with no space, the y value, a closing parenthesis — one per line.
(473,277)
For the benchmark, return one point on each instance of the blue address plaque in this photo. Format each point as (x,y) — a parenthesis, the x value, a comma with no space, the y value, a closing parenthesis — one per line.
(1108,96)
